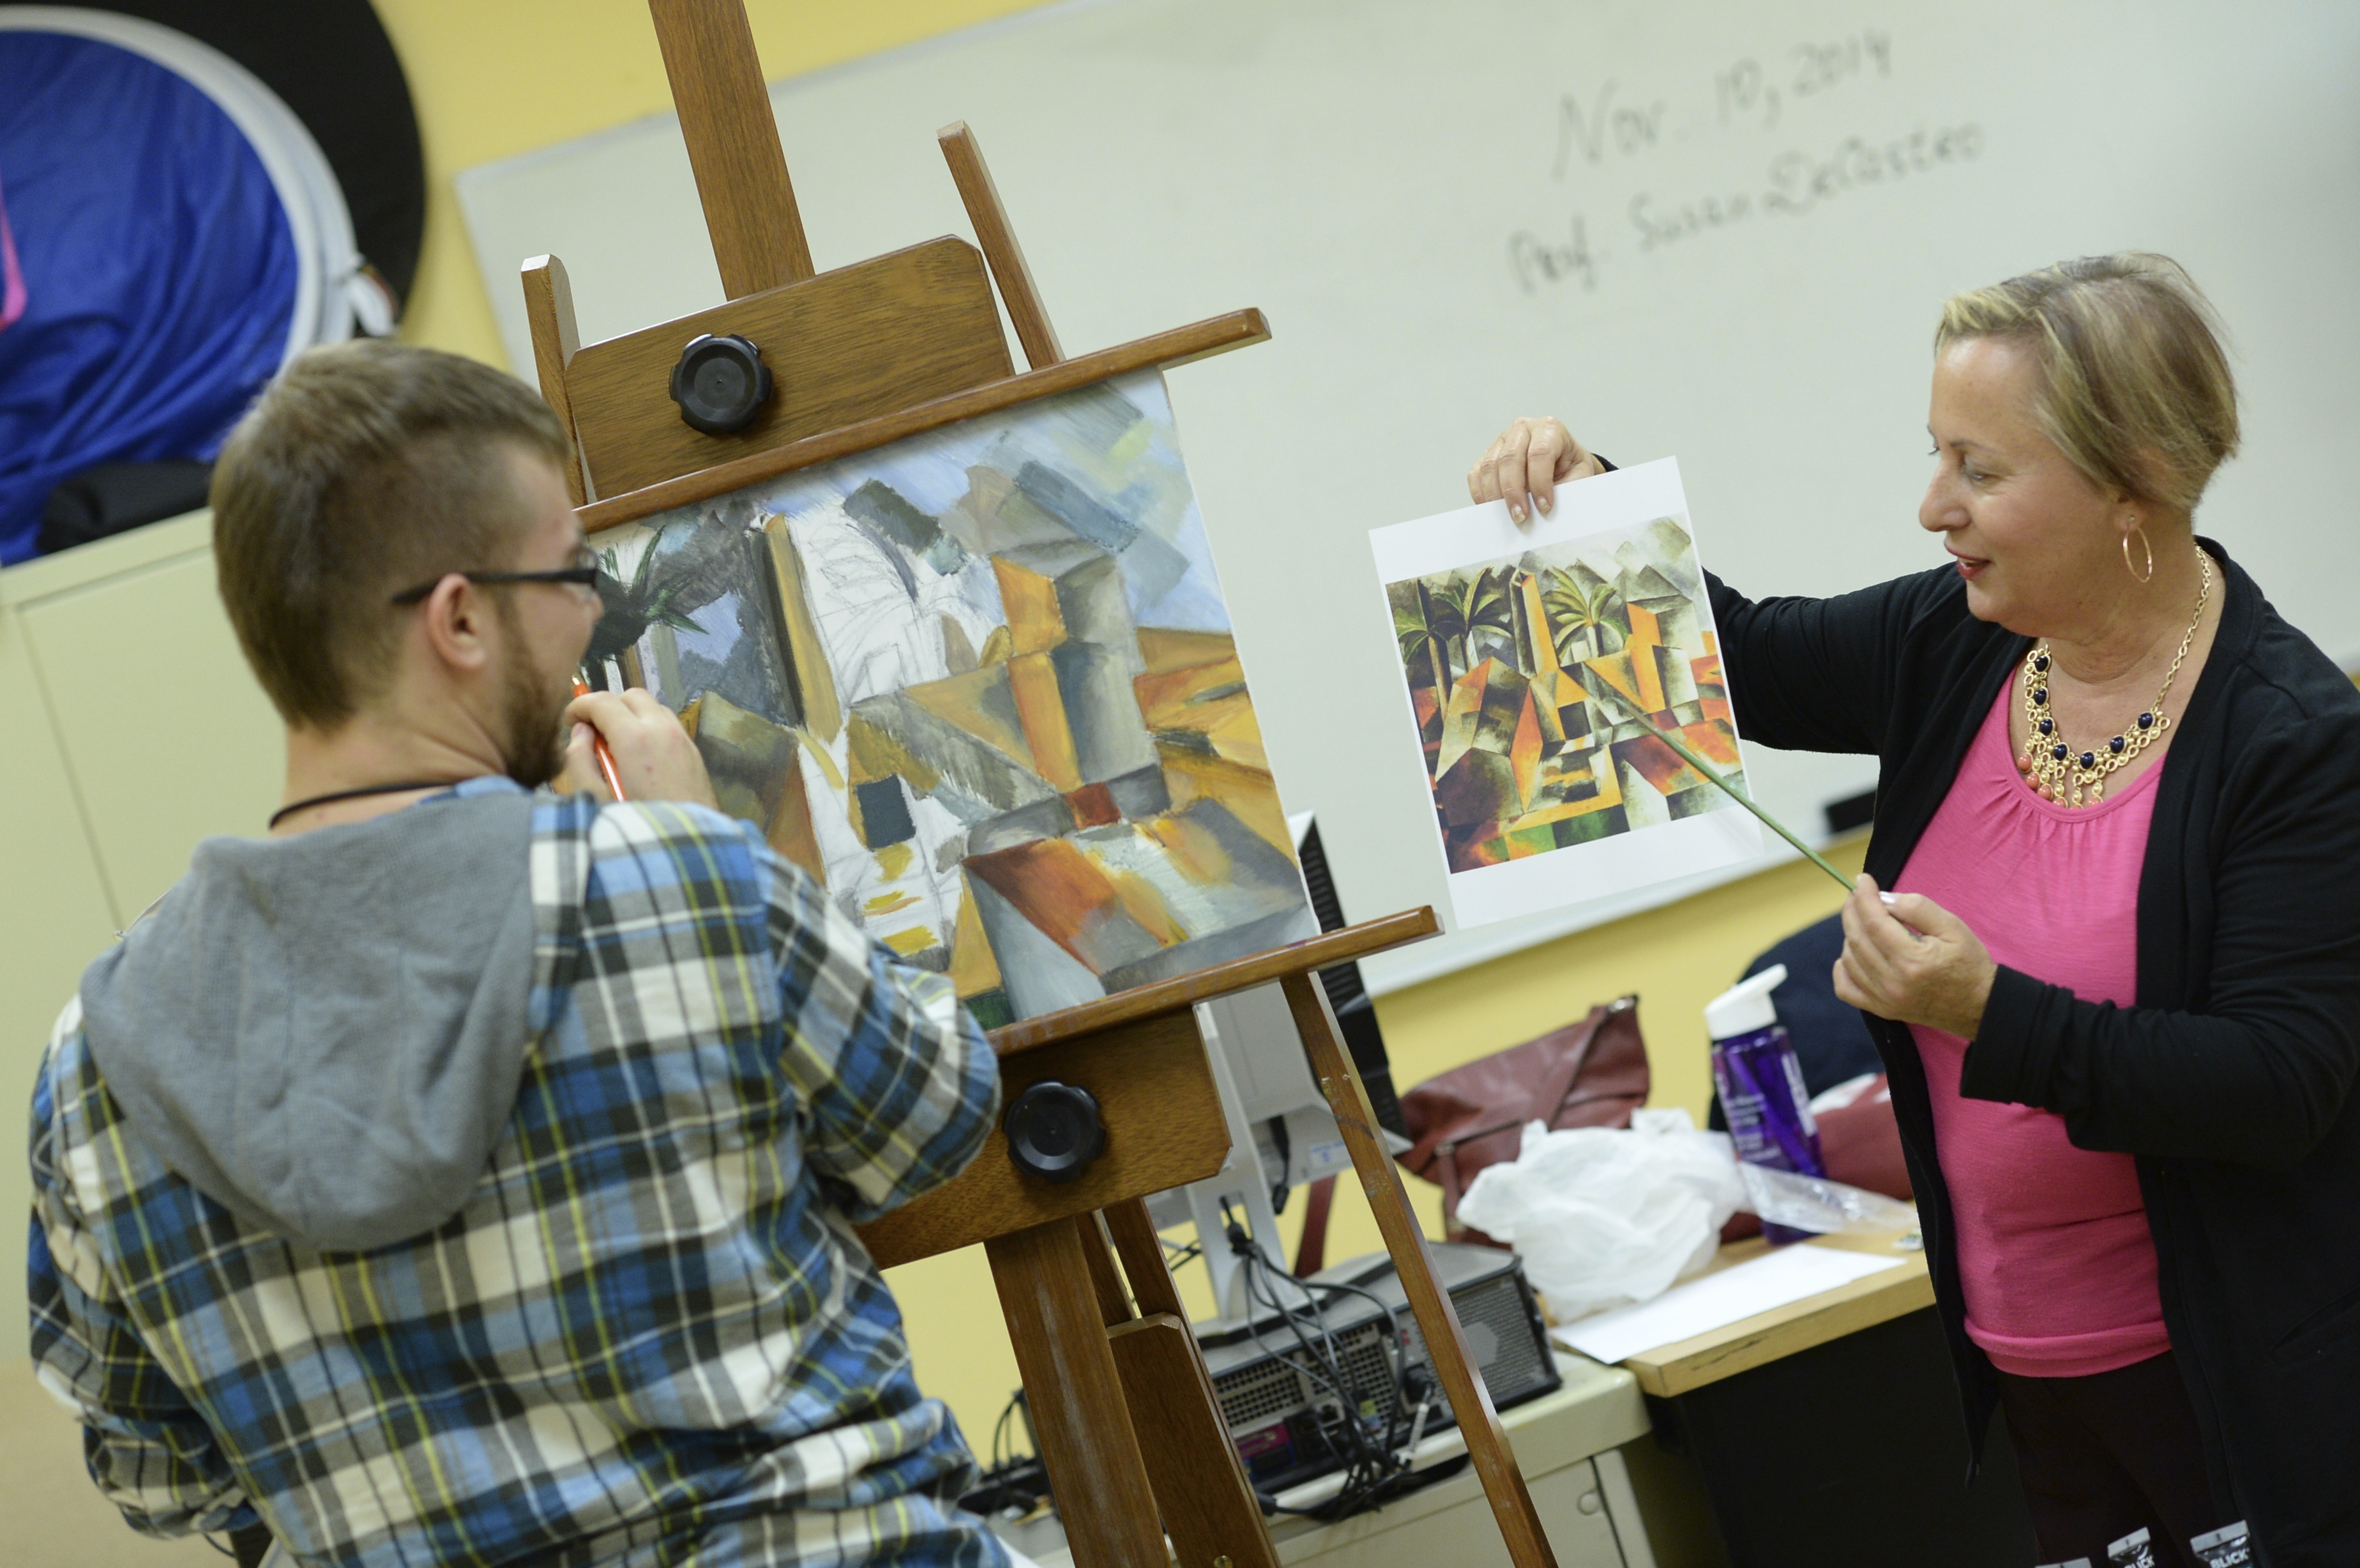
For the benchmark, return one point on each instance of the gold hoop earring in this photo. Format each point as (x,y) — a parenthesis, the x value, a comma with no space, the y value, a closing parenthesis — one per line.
(2142,579)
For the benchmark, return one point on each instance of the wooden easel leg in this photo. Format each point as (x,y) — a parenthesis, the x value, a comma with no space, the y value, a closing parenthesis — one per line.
(1076,1396)
(997,238)
(732,143)
(1438,1320)
(1142,1257)
(548,312)
(1106,1281)
(1209,1504)
(1200,1483)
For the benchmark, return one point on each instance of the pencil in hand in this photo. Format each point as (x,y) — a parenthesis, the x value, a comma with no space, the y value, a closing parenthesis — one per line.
(598,745)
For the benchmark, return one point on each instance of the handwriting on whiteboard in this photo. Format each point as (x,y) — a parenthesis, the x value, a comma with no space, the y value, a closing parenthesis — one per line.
(1608,139)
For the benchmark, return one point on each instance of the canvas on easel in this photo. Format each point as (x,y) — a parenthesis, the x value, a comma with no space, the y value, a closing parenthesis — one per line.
(980,683)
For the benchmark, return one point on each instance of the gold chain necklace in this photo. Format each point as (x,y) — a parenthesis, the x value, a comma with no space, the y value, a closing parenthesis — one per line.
(2049,763)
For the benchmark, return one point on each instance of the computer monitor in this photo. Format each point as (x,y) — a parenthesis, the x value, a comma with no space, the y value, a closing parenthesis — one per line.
(1281,1133)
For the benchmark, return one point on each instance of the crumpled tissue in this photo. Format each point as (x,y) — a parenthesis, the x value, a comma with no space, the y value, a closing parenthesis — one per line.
(1605,1218)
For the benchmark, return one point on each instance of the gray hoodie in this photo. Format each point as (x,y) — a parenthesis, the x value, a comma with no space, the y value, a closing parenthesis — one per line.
(324,1033)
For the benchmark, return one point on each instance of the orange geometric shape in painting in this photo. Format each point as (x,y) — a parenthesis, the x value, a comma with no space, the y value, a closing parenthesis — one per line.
(1196,853)
(1462,718)
(1235,732)
(790,830)
(1657,762)
(1423,707)
(1483,852)
(1164,648)
(1537,628)
(975,969)
(979,703)
(1165,696)
(1615,670)
(1565,810)
(1041,709)
(1145,906)
(1036,623)
(1646,638)
(1524,751)
(1247,791)
(1712,742)
(1052,884)
(1561,695)
(1093,806)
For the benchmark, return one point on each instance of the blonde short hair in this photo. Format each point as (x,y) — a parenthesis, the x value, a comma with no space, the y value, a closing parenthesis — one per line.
(2135,386)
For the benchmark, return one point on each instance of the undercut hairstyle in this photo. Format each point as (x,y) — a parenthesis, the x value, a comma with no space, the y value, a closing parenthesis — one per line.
(365,468)
(2135,386)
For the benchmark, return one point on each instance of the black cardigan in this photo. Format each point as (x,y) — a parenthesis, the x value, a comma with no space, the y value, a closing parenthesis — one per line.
(2230,1078)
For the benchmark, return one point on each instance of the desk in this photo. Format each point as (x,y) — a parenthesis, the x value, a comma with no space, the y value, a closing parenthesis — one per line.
(1824,1433)
(1676,1369)
(1569,1444)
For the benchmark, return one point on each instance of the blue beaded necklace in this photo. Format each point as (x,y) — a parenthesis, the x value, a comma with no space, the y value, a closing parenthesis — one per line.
(2049,763)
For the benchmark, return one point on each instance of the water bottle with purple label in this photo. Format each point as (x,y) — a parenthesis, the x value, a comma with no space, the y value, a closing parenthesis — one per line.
(1761,1086)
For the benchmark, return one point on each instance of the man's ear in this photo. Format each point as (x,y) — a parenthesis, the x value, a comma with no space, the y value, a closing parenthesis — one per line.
(457,618)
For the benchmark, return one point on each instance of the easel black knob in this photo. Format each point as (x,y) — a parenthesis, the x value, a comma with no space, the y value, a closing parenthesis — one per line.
(1054,1131)
(720,384)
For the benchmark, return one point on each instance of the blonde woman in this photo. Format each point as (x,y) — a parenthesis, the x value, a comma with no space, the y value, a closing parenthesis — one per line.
(2119,992)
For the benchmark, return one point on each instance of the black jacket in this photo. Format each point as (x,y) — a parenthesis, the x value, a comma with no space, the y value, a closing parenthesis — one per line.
(2230,1080)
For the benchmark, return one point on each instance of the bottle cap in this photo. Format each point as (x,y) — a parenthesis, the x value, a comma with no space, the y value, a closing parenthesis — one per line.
(1744,1006)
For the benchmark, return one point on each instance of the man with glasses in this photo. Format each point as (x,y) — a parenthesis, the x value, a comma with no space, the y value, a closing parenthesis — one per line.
(465,1172)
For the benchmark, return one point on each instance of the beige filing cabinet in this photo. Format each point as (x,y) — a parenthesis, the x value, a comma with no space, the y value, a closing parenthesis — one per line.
(130,728)
(1568,1446)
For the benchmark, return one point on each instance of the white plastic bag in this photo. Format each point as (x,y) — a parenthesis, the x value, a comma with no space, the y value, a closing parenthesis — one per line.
(1603,1218)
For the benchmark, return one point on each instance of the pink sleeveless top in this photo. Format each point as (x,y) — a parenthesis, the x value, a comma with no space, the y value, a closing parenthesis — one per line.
(2054,1251)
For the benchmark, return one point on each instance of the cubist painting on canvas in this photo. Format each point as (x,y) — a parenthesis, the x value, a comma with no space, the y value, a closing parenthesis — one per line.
(980,683)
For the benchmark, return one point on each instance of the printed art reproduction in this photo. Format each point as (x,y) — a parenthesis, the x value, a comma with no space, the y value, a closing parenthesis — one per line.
(979,683)
(1542,666)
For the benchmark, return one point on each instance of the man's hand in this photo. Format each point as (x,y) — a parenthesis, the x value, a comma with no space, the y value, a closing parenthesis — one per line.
(1527,463)
(654,756)
(1913,962)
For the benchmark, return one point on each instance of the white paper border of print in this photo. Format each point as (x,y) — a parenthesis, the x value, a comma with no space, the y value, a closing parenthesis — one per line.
(1625,499)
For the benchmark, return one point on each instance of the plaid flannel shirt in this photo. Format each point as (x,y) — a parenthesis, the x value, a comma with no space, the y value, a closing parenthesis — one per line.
(650,1336)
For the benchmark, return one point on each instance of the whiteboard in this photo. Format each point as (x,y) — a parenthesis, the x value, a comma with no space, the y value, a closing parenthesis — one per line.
(1693,228)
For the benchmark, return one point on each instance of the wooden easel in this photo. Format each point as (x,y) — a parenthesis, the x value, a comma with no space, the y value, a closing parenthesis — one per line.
(862,356)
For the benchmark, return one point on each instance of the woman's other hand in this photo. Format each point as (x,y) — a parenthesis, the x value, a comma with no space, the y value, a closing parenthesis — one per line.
(1527,463)
(1913,961)
(654,757)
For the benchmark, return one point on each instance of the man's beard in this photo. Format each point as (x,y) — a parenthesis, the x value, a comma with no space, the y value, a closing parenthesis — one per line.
(533,715)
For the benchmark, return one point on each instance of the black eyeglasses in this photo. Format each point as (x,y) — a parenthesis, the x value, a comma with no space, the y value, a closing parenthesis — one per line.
(584,574)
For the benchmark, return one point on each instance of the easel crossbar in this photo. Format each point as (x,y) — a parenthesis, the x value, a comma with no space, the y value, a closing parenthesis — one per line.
(1179,346)
(1187,990)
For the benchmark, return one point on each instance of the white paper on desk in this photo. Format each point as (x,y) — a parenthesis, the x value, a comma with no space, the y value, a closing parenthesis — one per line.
(1719,1299)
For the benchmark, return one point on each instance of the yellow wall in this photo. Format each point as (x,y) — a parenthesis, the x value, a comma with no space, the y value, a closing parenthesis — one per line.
(491,79)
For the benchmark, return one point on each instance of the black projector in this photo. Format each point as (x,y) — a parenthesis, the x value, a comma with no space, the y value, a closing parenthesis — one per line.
(1273,1398)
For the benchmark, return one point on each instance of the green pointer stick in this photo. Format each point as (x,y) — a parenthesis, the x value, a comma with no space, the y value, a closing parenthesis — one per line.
(1687,755)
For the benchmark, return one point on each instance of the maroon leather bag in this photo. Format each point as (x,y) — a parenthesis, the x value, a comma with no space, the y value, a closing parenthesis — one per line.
(1591,1073)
